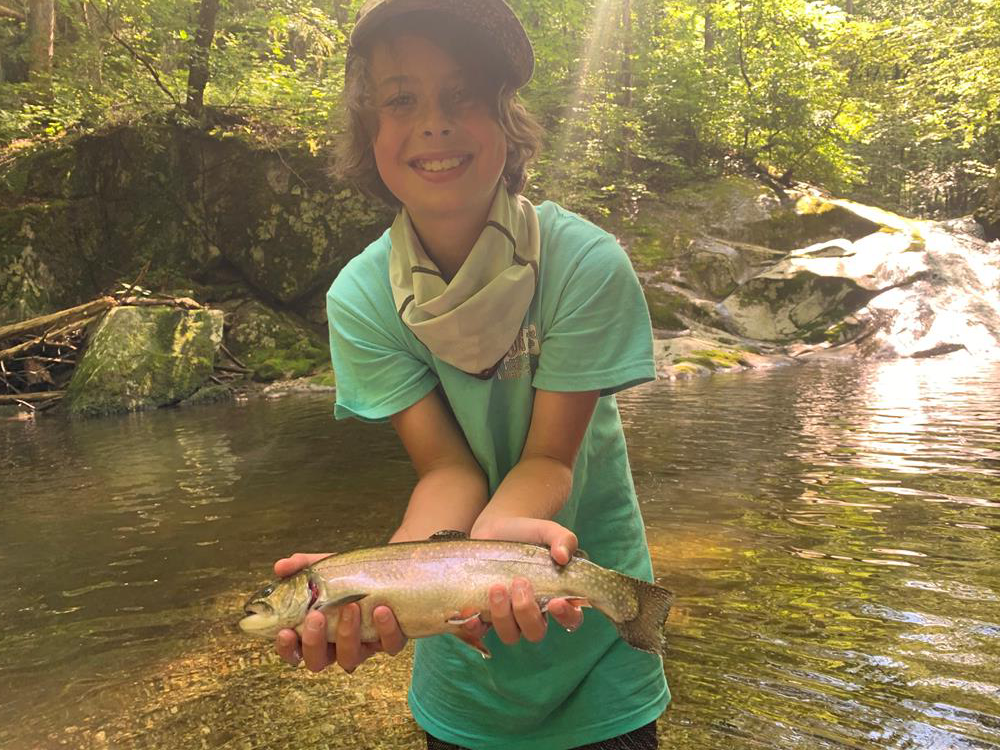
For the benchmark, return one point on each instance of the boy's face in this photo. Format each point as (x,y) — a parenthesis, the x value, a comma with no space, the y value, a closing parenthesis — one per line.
(439,148)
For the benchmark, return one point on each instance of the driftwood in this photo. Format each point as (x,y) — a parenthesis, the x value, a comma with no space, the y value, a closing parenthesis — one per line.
(34,324)
(39,353)
(14,398)
(48,337)
(184,302)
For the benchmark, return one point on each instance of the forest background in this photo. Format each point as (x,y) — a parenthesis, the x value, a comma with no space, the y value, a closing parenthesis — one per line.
(896,104)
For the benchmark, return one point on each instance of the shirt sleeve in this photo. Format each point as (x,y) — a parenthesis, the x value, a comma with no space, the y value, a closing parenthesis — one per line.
(598,337)
(377,373)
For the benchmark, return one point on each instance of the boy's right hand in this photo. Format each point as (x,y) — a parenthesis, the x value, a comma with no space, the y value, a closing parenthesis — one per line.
(348,650)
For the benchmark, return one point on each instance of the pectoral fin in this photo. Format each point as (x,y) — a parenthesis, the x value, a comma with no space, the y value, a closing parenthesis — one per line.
(573,601)
(321,604)
(459,620)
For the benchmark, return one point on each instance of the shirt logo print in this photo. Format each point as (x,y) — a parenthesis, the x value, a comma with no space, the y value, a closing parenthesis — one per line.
(517,361)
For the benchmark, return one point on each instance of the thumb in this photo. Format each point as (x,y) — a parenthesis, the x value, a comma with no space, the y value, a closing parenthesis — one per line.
(561,541)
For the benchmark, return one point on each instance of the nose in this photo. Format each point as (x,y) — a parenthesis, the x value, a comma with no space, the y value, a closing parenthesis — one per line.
(435,121)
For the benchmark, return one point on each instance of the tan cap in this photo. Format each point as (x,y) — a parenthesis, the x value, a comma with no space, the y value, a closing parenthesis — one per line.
(493,17)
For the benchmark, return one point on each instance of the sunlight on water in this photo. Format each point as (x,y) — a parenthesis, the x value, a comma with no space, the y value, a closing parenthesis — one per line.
(831,534)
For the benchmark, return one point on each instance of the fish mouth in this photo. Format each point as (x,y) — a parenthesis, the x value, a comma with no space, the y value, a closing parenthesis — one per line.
(257,608)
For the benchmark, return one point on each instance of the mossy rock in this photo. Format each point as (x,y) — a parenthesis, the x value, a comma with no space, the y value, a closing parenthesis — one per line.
(324,379)
(715,359)
(672,308)
(275,345)
(209,394)
(144,357)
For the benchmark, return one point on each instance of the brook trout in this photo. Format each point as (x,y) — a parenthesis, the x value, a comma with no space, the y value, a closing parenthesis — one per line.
(436,586)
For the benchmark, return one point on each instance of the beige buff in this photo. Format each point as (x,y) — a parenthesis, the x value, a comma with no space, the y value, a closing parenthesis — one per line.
(472,321)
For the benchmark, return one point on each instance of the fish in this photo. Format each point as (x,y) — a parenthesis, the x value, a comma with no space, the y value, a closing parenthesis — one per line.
(437,585)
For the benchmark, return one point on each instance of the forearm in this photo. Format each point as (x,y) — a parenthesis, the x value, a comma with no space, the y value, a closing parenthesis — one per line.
(448,497)
(537,487)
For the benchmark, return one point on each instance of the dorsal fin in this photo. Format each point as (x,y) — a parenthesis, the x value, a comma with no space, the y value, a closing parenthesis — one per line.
(447,535)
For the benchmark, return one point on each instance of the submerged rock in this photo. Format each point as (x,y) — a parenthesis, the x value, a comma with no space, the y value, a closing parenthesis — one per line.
(144,357)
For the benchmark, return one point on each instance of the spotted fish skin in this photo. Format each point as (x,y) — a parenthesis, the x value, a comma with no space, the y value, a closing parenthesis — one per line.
(434,586)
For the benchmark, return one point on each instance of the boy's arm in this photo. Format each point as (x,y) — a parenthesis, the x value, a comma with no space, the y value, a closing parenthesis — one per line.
(541,481)
(451,488)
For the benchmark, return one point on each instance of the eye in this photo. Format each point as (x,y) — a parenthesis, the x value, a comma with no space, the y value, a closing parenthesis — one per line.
(400,101)
(266,591)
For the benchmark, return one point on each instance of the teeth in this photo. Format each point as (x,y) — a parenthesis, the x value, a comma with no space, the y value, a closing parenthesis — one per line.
(440,165)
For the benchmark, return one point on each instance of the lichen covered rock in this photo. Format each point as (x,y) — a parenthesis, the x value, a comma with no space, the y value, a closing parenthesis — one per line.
(273,344)
(144,357)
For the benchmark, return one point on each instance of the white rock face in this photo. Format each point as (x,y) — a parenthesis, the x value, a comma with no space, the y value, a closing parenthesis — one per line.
(911,289)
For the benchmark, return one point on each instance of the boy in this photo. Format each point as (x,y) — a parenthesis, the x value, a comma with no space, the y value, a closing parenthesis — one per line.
(492,334)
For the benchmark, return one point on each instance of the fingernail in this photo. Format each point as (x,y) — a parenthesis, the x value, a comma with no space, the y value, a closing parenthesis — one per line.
(520,593)
(382,616)
(314,624)
(497,596)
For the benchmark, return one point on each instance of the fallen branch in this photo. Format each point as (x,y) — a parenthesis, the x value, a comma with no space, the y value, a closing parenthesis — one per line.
(11,13)
(185,302)
(232,356)
(13,398)
(27,326)
(48,336)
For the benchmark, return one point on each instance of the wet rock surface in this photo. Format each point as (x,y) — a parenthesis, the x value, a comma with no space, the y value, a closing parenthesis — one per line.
(805,275)
(144,357)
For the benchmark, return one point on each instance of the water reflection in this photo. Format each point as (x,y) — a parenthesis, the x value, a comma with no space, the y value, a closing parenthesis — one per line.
(831,533)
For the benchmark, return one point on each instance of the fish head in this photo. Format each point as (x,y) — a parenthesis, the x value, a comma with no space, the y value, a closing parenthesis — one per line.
(280,604)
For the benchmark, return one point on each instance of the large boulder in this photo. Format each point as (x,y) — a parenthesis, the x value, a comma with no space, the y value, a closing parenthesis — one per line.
(953,306)
(79,216)
(911,288)
(144,357)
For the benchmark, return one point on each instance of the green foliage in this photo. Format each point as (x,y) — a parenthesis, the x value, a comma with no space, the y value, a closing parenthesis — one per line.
(896,104)
(276,66)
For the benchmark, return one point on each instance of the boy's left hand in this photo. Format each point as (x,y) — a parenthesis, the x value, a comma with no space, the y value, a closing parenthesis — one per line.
(514,613)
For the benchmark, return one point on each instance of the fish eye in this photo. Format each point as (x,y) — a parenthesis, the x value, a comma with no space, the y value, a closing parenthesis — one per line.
(266,591)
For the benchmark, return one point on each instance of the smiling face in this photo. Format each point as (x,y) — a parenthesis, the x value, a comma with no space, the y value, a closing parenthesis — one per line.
(439,147)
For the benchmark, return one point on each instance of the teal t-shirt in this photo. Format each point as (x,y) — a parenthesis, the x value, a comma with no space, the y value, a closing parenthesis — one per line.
(587,328)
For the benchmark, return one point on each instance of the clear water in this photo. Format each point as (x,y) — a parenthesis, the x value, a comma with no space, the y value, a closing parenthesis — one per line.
(832,534)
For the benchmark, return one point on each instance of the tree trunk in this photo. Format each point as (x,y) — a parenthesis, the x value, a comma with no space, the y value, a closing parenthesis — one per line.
(41,37)
(626,84)
(93,63)
(709,28)
(198,67)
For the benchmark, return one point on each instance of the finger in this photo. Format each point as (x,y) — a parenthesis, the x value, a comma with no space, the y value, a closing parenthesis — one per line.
(316,649)
(350,652)
(287,646)
(561,541)
(565,614)
(502,616)
(288,565)
(390,636)
(529,617)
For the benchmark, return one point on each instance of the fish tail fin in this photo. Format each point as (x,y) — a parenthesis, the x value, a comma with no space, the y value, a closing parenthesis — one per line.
(645,630)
